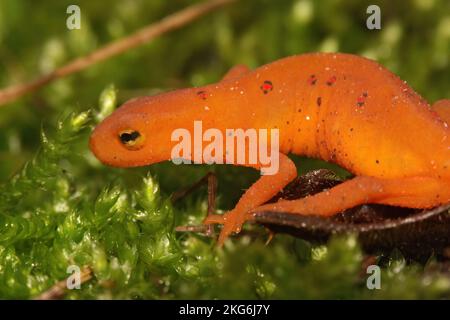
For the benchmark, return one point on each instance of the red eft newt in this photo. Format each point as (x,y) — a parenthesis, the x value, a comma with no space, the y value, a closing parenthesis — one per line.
(340,108)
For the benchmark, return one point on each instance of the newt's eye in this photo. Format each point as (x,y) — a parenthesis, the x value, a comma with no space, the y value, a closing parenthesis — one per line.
(131,139)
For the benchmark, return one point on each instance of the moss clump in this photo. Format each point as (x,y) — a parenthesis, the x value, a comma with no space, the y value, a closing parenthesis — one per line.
(65,208)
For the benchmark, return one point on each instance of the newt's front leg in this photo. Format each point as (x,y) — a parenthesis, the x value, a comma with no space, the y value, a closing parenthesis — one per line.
(260,192)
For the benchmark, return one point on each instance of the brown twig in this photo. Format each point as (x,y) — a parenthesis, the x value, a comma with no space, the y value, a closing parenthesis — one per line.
(59,289)
(210,180)
(140,37)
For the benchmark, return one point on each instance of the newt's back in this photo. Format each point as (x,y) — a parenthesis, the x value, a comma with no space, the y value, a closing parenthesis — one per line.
(349,110)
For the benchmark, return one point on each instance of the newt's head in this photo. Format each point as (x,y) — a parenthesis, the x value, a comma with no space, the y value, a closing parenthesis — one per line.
(120,140)
(140,131)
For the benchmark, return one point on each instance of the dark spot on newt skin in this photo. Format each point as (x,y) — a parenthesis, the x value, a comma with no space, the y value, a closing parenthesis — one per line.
(312,80)
(202,95)
(331,81)
(319,101)
(377,162)
(299,110)
(298,130)
(287,122)
(361,100)
(266,87)
(351,129)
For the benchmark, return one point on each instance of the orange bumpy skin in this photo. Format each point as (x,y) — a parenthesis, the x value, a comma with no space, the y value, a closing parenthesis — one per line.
(337,107)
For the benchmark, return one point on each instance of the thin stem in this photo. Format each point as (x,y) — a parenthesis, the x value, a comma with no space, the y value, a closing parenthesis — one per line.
(144,35)
(58,290)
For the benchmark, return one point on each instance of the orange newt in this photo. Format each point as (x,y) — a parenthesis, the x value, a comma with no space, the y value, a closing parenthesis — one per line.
(337,107)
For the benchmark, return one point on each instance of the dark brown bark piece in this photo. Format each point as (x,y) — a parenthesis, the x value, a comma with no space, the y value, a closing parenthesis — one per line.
(416,233)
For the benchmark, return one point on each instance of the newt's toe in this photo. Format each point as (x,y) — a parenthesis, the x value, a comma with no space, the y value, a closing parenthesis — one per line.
(233,222)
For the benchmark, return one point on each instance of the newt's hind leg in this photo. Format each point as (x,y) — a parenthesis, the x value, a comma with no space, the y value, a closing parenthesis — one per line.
(442,107)
(417,192)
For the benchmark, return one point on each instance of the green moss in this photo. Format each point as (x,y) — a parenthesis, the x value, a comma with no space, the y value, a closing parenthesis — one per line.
(65,208)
